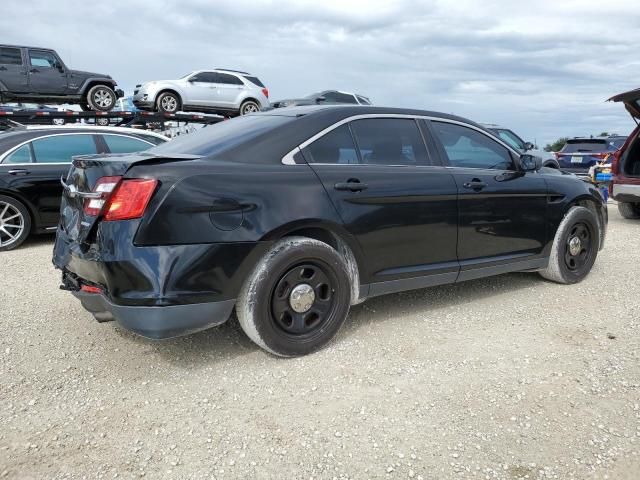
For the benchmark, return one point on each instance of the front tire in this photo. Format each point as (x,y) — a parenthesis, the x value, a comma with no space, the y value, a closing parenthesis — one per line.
(575,247)
(629,210)
(249,106)
(168,103)
(101,98)
(296,298)
(15,223)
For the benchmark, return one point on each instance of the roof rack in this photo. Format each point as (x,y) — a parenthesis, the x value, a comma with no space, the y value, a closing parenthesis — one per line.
(16,119)
(234,71)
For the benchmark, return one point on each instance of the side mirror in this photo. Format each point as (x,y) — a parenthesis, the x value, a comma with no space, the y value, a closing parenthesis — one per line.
(321,99)
(529,146)
(530,163)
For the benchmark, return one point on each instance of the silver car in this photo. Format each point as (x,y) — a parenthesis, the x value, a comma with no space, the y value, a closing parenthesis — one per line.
(226,92)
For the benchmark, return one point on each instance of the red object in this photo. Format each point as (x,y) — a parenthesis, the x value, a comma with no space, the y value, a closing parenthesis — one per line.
(619,177)
(129,199)
(104,185)
(90,289)
(265,92)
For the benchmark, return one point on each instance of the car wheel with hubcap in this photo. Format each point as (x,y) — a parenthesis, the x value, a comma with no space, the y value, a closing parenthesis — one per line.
(629,210)
(575,247)
(15,223)
(168,103)
(249,106)
(101,98)
(297,297)
(58,121)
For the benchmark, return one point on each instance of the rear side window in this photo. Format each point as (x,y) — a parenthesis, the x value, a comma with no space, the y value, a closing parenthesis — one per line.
(586,146)
(121,144)
(10,56)
(389,141)
(21,155)
(61,148)
(227,79)
(468,148)
(337,146)
(337,97)
(255,81)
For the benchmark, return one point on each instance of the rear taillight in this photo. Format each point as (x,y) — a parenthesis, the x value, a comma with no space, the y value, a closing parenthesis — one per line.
(601,155)
(615,162)
(265,92)
(104,185)
(130,199)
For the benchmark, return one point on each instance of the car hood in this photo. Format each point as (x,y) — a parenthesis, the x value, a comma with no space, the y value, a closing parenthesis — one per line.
(89,74)
(631,100)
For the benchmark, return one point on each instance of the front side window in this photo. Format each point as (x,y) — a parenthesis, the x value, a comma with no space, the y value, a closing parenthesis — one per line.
(204,77)
(10,56)
(337,97)
(122,144)
(335,147)
(60,149)
(21,155)
(42,59)
(389,141)
(468,148)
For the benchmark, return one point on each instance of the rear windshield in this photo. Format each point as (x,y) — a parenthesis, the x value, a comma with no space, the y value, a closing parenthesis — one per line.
(255,81)
(588,145)
(222,136)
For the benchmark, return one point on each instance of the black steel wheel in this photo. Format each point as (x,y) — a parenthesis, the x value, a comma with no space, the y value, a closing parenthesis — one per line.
(296,298)
(575,247)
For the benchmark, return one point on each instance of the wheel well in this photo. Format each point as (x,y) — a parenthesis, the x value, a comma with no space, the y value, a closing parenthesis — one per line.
(168,90)
(92,84)
(591,205)
(250,99)
(26,205)
(338,244)
(551,164)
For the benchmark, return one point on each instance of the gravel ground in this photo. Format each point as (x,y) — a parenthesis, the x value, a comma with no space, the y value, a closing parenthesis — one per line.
(508,377)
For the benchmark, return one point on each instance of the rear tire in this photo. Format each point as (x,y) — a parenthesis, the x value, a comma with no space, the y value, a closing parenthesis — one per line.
(102,122)
(575,247)
(101,98)
(249,106)
(296,298)
(168,102)
(629,210)
(15,223)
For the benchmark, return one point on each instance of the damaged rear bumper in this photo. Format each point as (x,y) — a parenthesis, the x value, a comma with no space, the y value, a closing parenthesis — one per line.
(158,322)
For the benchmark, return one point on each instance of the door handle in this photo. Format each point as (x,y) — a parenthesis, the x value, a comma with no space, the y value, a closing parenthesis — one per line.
(475,184)
(351,185)
(18,171)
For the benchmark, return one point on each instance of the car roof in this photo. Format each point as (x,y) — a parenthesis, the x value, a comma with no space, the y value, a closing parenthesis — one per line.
(25,46)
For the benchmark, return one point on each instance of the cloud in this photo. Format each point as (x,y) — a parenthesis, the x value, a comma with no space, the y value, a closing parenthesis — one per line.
(544,68)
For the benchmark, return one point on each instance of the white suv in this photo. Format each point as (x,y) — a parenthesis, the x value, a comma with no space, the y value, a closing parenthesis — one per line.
(226,92)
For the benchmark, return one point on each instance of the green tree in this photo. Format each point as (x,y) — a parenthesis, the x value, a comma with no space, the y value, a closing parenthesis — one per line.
(557,145)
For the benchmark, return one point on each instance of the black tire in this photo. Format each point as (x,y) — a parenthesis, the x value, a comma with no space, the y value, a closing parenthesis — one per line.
(168,102)
(629,210)
(249,106)
(101,98)
(13,212)
(571,260)
(266,306)
(552,164)
(102,122)
(58,121)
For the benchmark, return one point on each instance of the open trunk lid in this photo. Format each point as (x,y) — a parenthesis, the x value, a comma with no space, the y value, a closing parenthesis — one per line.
(631,100)
(83,184)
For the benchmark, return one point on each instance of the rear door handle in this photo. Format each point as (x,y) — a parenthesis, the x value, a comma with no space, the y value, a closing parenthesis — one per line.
(475,184)
(19,171)
(351,186)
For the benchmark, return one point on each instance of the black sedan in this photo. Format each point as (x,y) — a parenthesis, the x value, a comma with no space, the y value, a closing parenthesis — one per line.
(33,159)
(291,216)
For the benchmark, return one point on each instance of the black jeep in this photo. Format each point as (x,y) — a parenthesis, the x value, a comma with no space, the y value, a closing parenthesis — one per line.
(38,74)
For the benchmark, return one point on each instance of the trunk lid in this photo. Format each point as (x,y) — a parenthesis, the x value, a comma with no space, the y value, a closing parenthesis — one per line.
(80,185)
(631,100)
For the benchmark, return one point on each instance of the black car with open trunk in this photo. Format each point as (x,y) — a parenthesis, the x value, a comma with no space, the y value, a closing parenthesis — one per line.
(291,216)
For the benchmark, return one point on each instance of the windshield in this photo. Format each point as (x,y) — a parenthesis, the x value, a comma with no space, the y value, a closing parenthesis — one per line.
(221,136)
(586,145)
(314,95)
(510,137)
(185,76)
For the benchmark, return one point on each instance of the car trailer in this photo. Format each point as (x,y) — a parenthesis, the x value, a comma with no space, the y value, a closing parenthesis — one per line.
(139,119)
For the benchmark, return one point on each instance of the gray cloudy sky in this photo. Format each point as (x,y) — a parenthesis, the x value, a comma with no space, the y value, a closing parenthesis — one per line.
(544,68)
